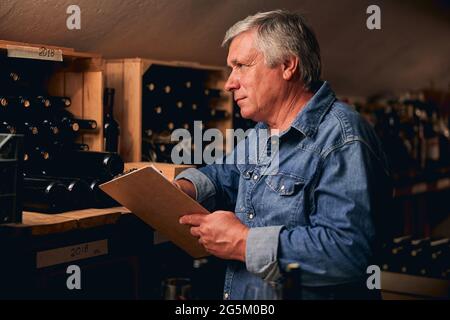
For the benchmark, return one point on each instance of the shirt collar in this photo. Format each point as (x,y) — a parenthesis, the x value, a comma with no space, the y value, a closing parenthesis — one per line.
(308,119)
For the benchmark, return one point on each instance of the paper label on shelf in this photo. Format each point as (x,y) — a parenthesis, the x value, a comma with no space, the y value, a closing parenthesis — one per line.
(40,53)
(71,253)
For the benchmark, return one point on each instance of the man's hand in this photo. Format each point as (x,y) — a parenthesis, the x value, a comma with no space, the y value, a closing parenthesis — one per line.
(221,233)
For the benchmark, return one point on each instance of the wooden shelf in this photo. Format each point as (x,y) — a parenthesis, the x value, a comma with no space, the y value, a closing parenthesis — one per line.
(67,52)
(126,76)
(422,188)
(405,286)
(45,224)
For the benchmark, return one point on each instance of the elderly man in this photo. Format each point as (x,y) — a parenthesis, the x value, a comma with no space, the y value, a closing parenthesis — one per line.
(319,208)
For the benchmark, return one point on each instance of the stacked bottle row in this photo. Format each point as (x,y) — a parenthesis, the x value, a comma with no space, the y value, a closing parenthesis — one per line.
(414,130)
(418,256)
(71,181)
(173,98)
(59,173)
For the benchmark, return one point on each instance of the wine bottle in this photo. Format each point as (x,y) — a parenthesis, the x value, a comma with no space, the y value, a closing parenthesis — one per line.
(44,195)
(18,107)
(28,129)
(440,257)
(48,131)
(13,77)
(418,261)
(86,124)
(151,86)
(213,93)
(60,102)
(63,146)
(170,125)
(36,160)
(3,102)
(68,125)
(176,289)
(292,282)
(9,80)
(42,102)
(102,165)
(111,128)
(218,114)
(396,253)
(5,127)
(179,105)
(79,192)
(38,153)
(155,121)
(201,288)
(100,199)
(159,120)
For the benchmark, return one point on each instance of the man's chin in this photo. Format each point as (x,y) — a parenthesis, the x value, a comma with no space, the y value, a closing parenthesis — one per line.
(248,116)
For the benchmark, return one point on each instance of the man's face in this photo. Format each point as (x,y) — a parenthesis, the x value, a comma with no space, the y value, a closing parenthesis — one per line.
(255,86)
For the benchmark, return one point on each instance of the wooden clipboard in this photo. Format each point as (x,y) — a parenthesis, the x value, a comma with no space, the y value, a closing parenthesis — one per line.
(160,204)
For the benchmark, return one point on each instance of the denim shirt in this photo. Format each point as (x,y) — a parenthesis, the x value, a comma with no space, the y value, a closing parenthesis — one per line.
(319,209)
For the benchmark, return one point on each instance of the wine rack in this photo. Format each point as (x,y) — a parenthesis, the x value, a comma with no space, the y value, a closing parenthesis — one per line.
(56,104)
(415,268)
(155,97)
(78,77)
(425,257)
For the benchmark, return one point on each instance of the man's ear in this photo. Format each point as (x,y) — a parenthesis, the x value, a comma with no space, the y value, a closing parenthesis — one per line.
(290,67)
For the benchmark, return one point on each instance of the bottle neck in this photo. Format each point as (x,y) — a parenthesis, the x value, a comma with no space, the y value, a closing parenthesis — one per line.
(109,103)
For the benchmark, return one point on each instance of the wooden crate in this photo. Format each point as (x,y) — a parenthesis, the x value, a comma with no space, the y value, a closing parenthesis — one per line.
(125,75)
(78,77)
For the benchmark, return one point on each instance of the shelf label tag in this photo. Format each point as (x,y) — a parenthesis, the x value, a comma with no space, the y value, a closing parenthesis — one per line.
(71,253)
(40,53)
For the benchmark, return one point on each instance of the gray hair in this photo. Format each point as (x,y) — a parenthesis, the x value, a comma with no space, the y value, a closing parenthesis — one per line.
(281,34)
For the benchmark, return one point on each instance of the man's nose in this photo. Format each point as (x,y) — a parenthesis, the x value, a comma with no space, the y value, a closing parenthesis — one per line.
(232,83)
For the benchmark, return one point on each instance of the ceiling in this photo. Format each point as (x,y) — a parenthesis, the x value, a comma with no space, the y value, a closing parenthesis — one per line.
(411,50)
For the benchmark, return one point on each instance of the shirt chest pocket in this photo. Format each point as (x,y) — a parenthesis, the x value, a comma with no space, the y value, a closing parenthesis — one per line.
(282,201)
(285,184)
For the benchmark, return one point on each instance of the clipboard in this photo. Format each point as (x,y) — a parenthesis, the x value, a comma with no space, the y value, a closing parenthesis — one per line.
(148,194)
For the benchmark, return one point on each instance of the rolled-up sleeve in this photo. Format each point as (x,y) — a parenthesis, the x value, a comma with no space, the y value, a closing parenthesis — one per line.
(216,185)
(204,188)
(262,252)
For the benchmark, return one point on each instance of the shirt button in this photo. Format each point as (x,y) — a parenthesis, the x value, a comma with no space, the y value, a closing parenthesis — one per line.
(226,296)
(255,177)
(251,215)
(282,187)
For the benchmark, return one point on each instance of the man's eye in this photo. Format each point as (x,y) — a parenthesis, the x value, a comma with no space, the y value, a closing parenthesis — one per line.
(241,65)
